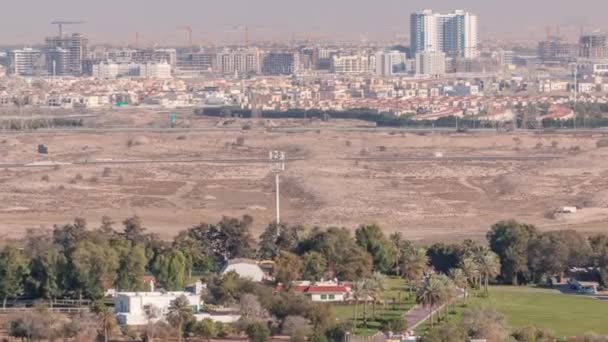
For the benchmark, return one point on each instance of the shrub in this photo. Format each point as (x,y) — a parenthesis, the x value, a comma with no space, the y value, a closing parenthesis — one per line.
(106,172)
(240,141)
(45,178)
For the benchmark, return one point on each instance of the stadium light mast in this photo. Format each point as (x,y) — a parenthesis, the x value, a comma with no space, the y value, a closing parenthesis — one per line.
(277,165)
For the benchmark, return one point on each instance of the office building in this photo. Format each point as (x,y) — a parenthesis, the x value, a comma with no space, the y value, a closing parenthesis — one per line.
(430,63)
(72,64)
(143,56)
(594,46)
(324,58)
(390,63)
(454,34)
(353,64)
(25,62)
(557,50)
(160,70)
(198,62)
(240,61)
(281,63)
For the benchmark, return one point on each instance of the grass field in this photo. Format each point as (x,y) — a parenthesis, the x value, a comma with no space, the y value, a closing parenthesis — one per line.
(565,315)
(396,289)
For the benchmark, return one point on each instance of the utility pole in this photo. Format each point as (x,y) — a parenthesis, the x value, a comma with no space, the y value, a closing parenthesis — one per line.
(277,165)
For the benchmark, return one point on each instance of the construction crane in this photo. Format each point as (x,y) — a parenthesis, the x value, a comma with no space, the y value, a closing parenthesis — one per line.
(60,24)
(188,29)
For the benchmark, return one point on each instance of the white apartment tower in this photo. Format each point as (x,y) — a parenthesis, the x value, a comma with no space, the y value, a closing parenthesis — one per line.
(455,34)
(25,62)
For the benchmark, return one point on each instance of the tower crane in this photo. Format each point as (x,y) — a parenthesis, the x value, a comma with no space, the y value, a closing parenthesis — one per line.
(60,24)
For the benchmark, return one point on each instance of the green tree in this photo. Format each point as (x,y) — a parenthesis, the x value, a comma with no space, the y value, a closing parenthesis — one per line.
(170,270)
(313,266)
(46,272)
(106,318)
(413,264)
(288,268)
(450,331)
(431,294)
(510,240)
(194,246)
(460,280)
(257,331)
(278,238)
(231,238)
(206,328)
(383,252)
(489,266)
(95,267)
(13,272)
(444,257)
(134,231)
(132,268)
(179,312)
(471,269)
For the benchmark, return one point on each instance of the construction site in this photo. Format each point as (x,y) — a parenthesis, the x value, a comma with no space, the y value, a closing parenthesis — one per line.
(429,185)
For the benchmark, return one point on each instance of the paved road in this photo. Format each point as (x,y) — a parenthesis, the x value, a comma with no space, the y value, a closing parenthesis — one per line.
(418,315)
(143,161)
(298,129)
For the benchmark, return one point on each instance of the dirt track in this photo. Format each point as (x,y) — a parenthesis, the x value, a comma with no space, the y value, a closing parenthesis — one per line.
(400,184)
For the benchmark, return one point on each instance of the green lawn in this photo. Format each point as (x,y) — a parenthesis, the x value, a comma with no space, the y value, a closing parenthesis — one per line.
(565,315)
(397,290)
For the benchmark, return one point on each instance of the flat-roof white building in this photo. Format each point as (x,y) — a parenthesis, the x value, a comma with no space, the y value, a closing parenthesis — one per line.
(132,308)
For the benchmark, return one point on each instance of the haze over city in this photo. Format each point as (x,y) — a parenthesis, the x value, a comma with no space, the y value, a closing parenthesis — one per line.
(304,171)
(116,21)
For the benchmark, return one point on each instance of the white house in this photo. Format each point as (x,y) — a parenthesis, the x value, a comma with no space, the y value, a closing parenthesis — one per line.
(132,307)
(246,268)
(321,292)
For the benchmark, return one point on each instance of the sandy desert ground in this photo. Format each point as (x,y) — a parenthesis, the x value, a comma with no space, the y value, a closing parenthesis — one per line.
(336,181)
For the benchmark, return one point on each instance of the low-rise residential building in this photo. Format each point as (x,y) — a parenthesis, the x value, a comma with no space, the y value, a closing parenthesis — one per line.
(135,308)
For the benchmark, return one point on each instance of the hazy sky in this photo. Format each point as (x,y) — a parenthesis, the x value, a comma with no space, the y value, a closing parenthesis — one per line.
(28,21)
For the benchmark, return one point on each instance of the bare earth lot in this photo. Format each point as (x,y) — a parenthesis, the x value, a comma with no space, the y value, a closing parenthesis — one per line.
(431,199)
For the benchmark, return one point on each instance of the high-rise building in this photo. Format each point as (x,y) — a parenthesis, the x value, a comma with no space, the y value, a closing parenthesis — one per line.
(76,47)
(455,34)
(557,50)
(281,63)
(25,62)
(430,63)
(594,46)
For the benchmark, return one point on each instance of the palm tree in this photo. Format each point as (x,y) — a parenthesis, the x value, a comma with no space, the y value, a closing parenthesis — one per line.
(430,294)
(180,311)
(449,292)
(107,319)
(358,292)
(376,288)
(414,263)
(471,269)
(461,280)
(489,266)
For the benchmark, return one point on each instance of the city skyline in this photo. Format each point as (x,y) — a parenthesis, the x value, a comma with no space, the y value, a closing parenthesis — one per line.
(272,20)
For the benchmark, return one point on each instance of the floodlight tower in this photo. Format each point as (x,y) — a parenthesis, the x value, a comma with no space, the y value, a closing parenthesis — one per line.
(277,165)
